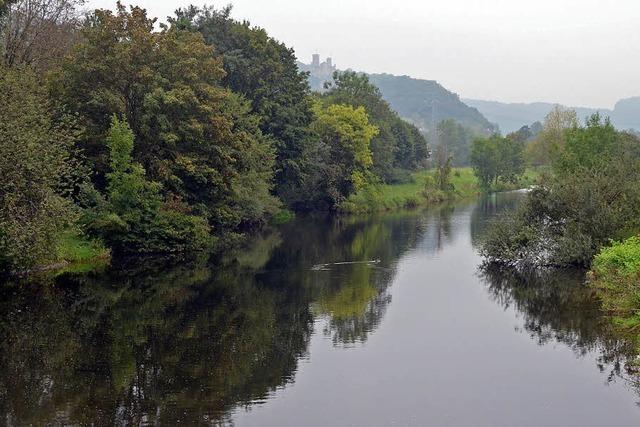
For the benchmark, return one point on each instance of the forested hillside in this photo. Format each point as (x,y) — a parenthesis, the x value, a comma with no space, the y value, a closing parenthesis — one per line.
(426,103)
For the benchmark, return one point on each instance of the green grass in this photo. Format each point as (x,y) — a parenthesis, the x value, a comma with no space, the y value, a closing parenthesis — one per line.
(615,276)
(413,194)
(79,253)
(282,217)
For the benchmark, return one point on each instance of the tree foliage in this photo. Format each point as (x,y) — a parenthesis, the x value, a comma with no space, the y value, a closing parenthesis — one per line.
(549,142)
(135,218)
(497,158)
(443,161)
(456,139)
(592,197)
(194,137)
(398,145)
(38,32)
(264,71)
(344,158)
(36,178)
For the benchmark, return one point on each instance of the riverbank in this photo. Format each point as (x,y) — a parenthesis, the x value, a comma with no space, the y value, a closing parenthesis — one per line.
(75,254)
(78,254)
(615,275)
(415,193)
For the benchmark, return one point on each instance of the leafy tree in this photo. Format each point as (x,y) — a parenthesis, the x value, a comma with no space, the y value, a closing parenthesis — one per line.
(550,140)
(457,139)
(524,134)
(135,218)
(39,32)
(4,6)
(511,152)
(592,197)
(497,158)
(344,155)
(264,71)
(195,138)
(398,144)
(35,160)
(443,169)
(485,159)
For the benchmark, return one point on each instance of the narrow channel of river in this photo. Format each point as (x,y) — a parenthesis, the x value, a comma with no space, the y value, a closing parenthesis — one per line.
(378,321)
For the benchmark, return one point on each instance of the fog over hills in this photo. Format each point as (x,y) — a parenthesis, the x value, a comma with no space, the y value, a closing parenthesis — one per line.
(512,116)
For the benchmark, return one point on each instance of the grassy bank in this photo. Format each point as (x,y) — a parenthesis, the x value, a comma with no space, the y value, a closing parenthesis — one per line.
(415,193)
(615,275)
(76,253)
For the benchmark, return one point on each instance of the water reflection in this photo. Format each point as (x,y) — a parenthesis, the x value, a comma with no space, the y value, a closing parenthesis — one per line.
(149,343)
(488,208)
(555,305)
(438,230)
(178,346)
(189,341)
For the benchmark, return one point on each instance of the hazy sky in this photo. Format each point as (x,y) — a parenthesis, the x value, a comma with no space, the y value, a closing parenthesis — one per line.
(575,52)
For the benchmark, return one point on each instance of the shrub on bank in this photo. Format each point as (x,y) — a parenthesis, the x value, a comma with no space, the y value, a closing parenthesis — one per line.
(615,275)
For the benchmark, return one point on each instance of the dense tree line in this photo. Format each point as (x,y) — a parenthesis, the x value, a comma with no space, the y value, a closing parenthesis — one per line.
(399,146)
(166,138)
(591,197)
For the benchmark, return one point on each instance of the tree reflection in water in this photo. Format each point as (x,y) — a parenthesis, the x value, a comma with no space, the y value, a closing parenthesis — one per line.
(557,307)
(150,342)
(188,341)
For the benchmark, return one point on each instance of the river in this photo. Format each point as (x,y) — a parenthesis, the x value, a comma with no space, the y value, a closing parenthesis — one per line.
(378,321)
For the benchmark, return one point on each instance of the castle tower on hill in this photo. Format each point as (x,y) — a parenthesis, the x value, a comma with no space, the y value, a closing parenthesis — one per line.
(324,70)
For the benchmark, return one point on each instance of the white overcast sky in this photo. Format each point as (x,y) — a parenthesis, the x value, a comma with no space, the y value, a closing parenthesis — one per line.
(575,52)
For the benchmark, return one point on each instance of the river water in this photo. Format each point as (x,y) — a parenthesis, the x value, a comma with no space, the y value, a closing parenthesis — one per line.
(377,321)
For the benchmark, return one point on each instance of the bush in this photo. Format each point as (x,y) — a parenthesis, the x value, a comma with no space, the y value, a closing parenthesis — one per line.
(282,217)
(593,197)
(616,277)
(35,180)
(134,218)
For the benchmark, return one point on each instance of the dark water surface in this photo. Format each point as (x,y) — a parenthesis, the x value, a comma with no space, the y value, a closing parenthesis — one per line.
(382,321)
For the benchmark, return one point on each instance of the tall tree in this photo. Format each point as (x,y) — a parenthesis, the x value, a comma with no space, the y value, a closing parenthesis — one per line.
(457,139)
(443,162)
(39,32)
(194,137)
(264,71)
(497,158)
(345,158)
(35,162)
(398,143)
(135,217)
(550,140)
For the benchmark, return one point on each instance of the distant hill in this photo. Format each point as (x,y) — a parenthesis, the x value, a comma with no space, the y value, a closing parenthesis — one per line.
(512,116)
(426,103)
